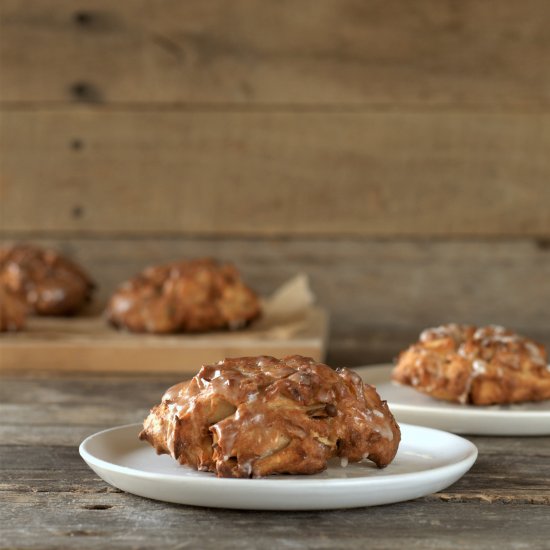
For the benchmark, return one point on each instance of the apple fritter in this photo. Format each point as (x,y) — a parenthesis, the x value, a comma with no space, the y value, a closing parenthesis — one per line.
(13,311)
(480,366)
(187,296)
(257,416)
(48,282)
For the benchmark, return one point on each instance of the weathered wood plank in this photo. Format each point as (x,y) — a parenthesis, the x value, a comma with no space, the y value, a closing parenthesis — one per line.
(475,488)
(65,435)
(522,475)
(83,391)
(52,414)
(118,520)
(53,481)
(334,52)
(46,419)
(380,294)
(212,173)
(49,498)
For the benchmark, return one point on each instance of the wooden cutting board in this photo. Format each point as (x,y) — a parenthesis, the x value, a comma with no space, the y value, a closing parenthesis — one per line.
(90,344)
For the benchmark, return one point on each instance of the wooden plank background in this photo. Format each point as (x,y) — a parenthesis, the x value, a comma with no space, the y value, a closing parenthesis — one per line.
(294,52)
(377,174)
(397,151)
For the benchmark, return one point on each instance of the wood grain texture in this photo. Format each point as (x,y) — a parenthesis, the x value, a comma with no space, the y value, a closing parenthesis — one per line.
(90,344)
(118,520)
(219,173)
(481,485)
(49,498)
(427,52)
(80,405)
(379,293)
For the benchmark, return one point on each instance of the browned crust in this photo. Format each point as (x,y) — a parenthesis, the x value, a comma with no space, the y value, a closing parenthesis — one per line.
(13,311)
(481,366)
(257,416)
(48,282)
(187,296)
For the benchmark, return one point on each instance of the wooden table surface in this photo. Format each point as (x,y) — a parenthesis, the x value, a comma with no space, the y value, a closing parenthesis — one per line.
(51,499)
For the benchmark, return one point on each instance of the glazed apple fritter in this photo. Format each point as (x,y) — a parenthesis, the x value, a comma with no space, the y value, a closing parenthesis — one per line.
(481,366)
(47,281)
(13,311)
(186,296)
(257,416)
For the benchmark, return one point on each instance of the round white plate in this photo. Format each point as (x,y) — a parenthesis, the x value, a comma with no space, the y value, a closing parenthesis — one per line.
(427,461)
(409,405)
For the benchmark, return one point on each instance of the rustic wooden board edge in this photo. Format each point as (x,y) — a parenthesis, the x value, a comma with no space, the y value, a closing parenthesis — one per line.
(122,352)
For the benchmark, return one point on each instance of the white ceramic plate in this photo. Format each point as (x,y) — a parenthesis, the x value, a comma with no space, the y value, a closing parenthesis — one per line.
(427,461)
(409,405)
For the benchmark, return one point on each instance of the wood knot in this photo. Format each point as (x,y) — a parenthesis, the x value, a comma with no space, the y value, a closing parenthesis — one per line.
(543,244)
(83,18)
(97,506)
(77,211)
(84,91)
(76,144)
